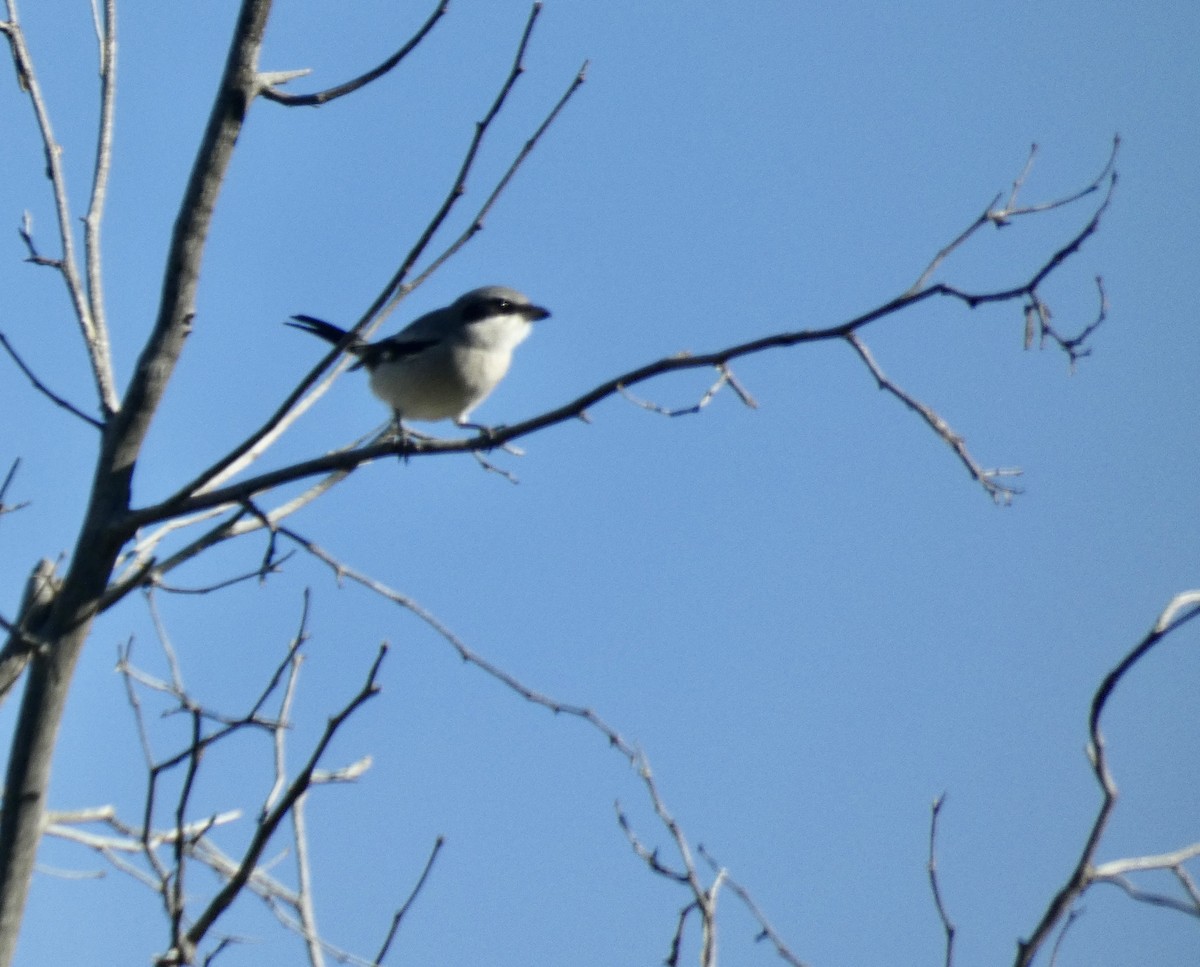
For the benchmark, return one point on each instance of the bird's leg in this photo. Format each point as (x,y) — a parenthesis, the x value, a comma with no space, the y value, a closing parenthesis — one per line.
(490,433)
(399,432)
(466,424)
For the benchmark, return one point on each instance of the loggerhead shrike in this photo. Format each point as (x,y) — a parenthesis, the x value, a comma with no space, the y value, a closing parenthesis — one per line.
(445,363)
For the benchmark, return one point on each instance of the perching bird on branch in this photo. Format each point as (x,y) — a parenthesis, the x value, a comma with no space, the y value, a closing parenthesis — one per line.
(445,363)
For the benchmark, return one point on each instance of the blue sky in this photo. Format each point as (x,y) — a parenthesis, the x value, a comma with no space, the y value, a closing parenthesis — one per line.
(807,615)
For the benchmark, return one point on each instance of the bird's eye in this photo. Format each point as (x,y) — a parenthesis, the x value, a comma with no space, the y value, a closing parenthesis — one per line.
(503,305)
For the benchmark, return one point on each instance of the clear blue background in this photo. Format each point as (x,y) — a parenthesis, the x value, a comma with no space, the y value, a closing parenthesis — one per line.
(807,615)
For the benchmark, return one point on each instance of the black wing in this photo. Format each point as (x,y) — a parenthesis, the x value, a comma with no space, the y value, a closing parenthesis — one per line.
(369,354)
(318,327)
(393,348)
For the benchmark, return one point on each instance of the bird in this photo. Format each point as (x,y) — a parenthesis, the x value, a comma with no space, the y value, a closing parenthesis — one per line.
(445,363)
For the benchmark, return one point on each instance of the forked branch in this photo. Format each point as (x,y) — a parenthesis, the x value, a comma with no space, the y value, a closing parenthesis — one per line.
(1182,609)
(318,379)
(189,501)
(83,302)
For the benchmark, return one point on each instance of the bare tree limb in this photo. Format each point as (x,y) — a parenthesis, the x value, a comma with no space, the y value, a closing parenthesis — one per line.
(101,536)
(990,480)
(94,337)
(477,222)
(766,931)
(182,503)
(272,93)
(1136,864)
(1182,609)
(8,479)
(187,840)
(394,291)
(704,898)
(725,378)
(320,377)
(342,571)
(1001,217)
(106,30)
(238,87)
(412,896)
(270,822)
(948,927)
(43,388)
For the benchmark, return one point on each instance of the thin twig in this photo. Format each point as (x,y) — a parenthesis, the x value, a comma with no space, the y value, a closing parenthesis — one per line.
(1004,215)
(412,896)
(43,388)
(8,479)
(258,573)
(1074,346)
(41,589)
(395,290)
(273,93)
(990,480)
(477,222)
(305,908)
(1153,899)
(947,924)
(725,378)
(344,571)
(704,899)
(1074,915)
(107,40)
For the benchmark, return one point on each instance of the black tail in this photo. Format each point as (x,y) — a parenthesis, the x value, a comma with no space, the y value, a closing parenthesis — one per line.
(319,328)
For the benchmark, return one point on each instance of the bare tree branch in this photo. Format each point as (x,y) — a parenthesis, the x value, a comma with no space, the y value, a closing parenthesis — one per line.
(477,222)
(1076,346)
(66,610)
(1062,934)
(1001,217)
(320,377)
(43,388)
(8,479)
(25,230)
(703,898)
(187,839)
(160,354)
(272,93)
(182,503)
(404,907)
(101,537)
(1135,892)
(94,337)
(270,822)
(990,480)
(106,30)
(725,378)
(394,291)
(948,927)
(766,931)
(1182,609)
